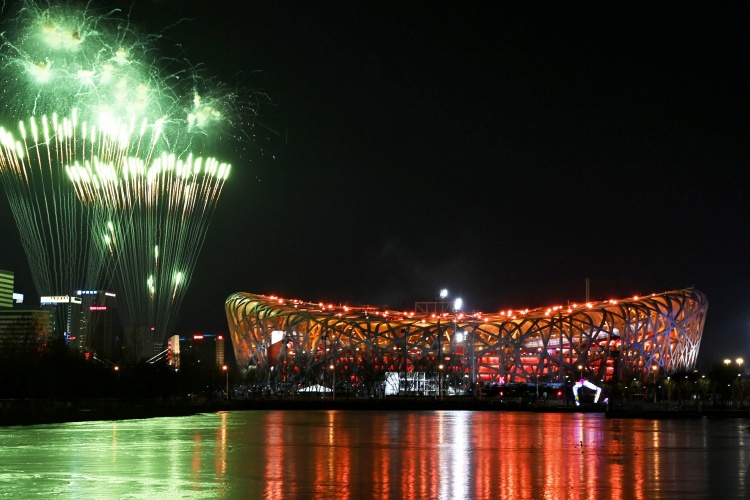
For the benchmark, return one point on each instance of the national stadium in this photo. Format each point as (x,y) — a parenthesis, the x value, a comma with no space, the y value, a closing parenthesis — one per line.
(299,344)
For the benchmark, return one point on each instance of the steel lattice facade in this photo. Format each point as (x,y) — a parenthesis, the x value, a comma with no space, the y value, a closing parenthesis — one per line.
(606,340)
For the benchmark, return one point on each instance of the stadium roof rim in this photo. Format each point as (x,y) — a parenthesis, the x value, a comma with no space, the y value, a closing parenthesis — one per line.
(365,311)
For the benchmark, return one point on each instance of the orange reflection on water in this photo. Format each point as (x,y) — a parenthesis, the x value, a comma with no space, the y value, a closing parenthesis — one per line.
(220,461)
(195,460)
(616,471)
(420,464)
(114,441)
(447,455)
(274,454)
(320,458)
(338,454)
(486,468)
(381,462)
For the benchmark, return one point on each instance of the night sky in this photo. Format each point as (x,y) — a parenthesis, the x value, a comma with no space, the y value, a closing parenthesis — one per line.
(502,151)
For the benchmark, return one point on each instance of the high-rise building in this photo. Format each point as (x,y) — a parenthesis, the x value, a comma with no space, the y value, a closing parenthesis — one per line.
(206,349)
(67,317)
(6,288)
(139,344)
(98,329)
(173,356)
(220,351)
(24,331)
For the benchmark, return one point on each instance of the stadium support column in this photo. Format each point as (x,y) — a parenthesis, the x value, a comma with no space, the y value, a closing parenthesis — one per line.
(473,362)
(225,368)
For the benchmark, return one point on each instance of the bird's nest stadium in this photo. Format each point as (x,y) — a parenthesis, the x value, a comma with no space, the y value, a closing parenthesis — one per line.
(301,343)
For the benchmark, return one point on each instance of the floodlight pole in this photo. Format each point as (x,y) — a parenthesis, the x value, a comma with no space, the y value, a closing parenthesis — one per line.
(226,370)
(439,310)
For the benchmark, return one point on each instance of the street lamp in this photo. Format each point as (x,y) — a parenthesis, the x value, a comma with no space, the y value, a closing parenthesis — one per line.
(117,371)
(439,311)
(739,362)
(457,337)
(226,371)
(440,378)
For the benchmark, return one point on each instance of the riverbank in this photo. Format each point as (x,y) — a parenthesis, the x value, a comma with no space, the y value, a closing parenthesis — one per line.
(37,412)
(674,411)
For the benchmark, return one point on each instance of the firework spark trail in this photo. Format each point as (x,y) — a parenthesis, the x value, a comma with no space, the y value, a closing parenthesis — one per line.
(166,217)
(48,218)
(107,184)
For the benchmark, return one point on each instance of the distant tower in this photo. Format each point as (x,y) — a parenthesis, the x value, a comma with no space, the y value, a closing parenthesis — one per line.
(98,327)
(67,314)
(174,351)
(138,344)
(220,350)
(204,348)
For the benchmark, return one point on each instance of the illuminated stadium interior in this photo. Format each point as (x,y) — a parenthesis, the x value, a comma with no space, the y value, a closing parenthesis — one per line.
(302,343)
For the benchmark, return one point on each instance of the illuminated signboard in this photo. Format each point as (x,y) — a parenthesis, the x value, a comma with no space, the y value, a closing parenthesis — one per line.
(98,308)
(59,299)
(55,299)
(94,292)
(197,337)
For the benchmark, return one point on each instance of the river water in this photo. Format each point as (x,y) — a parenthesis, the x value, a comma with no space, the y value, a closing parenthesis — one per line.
(367,454)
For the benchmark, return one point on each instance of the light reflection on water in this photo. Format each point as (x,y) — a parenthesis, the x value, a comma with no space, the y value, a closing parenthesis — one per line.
(358,455)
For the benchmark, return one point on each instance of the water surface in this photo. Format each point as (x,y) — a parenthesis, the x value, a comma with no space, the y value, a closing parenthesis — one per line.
(363,454)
